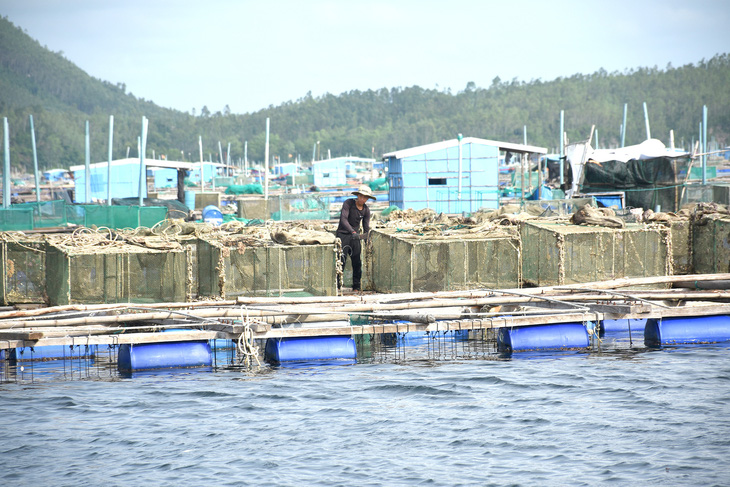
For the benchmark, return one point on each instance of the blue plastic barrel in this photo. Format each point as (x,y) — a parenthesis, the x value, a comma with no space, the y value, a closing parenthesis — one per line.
(212,215)
(623,325)
(305,349)
(697,329)
(543,337)
(164,355)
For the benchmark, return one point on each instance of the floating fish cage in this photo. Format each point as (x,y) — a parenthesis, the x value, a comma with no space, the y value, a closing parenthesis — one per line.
(711,245)
(406,262)
(680,231)
(114,273)
(556,254)
(23,279)
(189,245)
(236,266)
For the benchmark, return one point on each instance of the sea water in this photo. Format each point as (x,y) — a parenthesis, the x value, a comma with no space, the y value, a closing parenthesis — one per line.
(626,416)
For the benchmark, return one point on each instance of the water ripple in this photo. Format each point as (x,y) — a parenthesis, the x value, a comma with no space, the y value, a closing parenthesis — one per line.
(659,417)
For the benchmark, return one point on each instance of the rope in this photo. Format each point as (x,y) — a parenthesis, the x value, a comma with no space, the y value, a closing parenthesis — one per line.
(245,343)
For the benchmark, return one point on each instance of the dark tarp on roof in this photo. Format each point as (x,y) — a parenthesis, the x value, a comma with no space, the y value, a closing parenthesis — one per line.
(647,182)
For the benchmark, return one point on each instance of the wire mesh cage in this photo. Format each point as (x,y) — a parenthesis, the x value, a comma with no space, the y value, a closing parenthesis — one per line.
(23,269)
(680,232)
(711,245)
(411,263)
(560,253)
(114,274)
(238,266)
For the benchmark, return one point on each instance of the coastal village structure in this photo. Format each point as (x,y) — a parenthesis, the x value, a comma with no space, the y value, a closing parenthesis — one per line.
(453,176)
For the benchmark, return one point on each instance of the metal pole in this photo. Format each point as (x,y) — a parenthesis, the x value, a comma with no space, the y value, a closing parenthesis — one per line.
(245,158)
(522,180)
(200,145)
(459,139)
(623,126)
(704,145)
(142,150)
(266,163)
(646,122)
(109,163)
(35,162)
(562,146)
(524,133)
(6,170)
(87,185)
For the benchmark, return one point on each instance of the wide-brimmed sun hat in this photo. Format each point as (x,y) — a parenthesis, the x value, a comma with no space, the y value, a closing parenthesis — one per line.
(364,190)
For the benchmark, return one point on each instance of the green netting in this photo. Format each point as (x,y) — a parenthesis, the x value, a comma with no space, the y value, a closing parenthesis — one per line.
(254,188)
(23,270)
(234,268)
(116,216)
(46,213)
(16,219)
(123,273)
(407,263)
(711,245)
(531,179)
(380,184)
(557,253)
(27,216)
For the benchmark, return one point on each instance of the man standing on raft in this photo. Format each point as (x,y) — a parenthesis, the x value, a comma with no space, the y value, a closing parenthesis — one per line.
(355,211)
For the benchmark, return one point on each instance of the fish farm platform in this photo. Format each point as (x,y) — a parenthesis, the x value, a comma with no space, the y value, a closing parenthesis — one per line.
(250,318)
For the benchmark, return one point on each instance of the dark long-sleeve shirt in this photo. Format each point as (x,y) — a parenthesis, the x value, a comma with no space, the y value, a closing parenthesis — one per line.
(350,218)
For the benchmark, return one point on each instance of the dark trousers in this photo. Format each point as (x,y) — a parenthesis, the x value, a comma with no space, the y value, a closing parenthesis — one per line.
(351,246)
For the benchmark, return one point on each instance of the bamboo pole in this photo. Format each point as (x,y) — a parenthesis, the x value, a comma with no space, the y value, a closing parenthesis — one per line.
(452,308)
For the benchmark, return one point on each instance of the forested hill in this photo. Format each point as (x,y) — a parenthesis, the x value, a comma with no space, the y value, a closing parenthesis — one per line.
(61,97)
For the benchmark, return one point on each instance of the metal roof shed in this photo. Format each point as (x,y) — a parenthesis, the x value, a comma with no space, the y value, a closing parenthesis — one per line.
(452,176)
(330,172)
(124,177)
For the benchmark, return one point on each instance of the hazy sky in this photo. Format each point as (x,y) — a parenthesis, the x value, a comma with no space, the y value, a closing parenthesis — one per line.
(248,55)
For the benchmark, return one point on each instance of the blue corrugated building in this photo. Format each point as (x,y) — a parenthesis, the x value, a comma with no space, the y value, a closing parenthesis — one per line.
(333,172)
(124,174)
(125,177)
(429,176)
(330,172)
(287,168)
